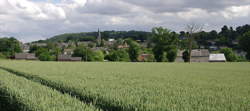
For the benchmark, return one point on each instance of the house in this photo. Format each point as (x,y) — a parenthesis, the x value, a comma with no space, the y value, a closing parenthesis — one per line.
(62,45)
(197,55)
(217,58)
(110,42)
(85,43)
(214,48)
(68,51)
(145,57)
(68,58)
(124,46)
(25,48)
(25,56)
(39,44)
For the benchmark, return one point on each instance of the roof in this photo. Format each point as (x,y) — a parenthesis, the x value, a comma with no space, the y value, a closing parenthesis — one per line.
(217,58)
(28,56)
(195,53)
(64,57)
(76,59)
(68,58)
(200,53)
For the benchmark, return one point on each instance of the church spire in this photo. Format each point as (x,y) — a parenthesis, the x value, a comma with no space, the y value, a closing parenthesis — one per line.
(99,38)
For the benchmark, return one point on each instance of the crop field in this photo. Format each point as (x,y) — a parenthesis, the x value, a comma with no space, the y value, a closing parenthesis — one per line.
(72,86)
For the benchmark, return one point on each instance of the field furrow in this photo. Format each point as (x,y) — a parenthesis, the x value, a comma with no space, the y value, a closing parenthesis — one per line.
(20,94)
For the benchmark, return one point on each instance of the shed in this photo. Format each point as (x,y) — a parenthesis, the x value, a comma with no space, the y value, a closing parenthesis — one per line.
(217,58)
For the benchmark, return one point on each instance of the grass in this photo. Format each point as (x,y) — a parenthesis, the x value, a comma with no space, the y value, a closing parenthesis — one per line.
(19,94)
(148,86)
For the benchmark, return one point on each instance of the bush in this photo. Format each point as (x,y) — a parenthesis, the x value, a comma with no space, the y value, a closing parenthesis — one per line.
(45,56)
(118,55)
(96,56)
(185,56)
(241,59)
(2,56)
(244,43)
(229,54)
(172,54)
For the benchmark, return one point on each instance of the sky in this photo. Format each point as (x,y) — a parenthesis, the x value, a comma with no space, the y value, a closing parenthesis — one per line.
(30,20)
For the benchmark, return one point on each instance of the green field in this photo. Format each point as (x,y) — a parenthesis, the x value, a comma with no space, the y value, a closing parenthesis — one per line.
(130,86)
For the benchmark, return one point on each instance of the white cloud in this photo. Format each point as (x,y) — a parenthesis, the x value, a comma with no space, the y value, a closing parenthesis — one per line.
(236,11)
(36,11)
(32,19)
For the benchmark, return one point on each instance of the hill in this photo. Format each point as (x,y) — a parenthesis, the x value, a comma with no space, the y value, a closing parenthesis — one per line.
(91,36)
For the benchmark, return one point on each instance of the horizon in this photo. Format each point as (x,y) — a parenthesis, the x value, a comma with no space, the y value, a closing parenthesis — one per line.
(32,20)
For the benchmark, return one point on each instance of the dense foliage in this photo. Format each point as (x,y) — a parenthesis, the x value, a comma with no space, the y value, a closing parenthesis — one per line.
(229,54)
(118,55)
(87,54)
(165,44)
(9,46)
(245,43)
(91,36)
(133,50)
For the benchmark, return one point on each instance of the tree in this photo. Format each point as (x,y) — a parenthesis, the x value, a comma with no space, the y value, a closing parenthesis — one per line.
(245,44)
(9,46)
(134,50)
(40,51)
(192,29)
(164,41)
(88,54)
(81,51)
(96,56)
(118,55)
(34,48)
(172,54)
(185,56)
(45,56)
(229,54)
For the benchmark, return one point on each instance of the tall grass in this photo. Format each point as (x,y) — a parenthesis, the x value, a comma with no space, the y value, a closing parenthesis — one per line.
(19,94)
(150,86)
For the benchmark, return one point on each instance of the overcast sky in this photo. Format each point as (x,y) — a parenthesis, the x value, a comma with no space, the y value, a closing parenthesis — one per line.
(30,20)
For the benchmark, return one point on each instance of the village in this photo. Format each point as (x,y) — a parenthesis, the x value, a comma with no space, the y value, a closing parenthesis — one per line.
(66,53)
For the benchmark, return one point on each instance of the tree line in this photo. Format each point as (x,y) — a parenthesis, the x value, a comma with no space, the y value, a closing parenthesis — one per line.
(162,44)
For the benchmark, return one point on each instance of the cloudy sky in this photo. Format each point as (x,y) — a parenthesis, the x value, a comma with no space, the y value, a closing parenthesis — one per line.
(30,20)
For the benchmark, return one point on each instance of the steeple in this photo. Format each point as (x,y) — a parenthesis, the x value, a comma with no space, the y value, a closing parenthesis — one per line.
(99,38)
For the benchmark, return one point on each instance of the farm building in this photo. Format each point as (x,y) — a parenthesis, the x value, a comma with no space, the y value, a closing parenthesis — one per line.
(25,56)
(217,58)
(198,55)
(68,58)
